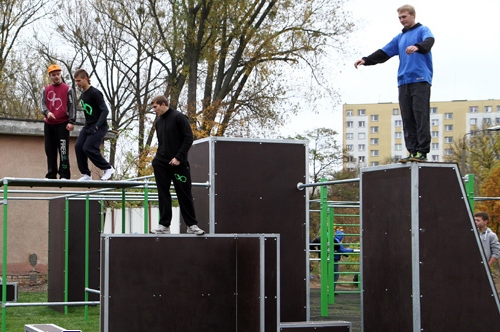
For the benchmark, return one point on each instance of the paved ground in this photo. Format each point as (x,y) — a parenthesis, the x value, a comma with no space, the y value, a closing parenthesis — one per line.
(347,307)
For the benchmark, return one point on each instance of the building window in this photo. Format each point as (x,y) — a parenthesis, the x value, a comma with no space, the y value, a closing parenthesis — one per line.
(497,120)
(435,122)
(398,123)
(448,152)
(448,139)
(395,111)
(361,159)
(349,136)
(374,163)
(433,110)
(473,109)
(374,129)
(498,108)
(488,109)
(361,147)
(486,121)
(435,146)
(398,134)
(374,141)
(348,113)
(398,147)
(361,112)
(448,128)
(361,135)
(374,117)
(350,147)
(361,124)
(374,153)
(435,157)
(448,116)
(435,134)
(473,121)
(349,124)
(350,159)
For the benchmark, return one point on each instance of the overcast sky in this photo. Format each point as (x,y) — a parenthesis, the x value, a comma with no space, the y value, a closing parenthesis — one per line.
(466,56)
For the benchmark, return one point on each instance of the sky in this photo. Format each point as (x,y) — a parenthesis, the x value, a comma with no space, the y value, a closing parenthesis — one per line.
(466,55)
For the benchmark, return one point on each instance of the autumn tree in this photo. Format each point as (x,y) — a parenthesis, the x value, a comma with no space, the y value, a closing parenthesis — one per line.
(16,16)
(490,188)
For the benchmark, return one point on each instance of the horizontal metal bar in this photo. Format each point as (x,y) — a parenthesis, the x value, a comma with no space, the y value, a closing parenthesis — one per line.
(39,304)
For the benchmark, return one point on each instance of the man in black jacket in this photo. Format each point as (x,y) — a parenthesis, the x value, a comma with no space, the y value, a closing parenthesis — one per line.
(175,138)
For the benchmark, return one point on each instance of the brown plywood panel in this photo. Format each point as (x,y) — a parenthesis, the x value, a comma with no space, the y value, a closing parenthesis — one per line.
(456,292)
(181,283)
(256,192)
(386,250)
(76,251)
(199,156)
(56,252)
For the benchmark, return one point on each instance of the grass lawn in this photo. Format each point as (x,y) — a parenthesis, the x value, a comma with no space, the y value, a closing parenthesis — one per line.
(17,317)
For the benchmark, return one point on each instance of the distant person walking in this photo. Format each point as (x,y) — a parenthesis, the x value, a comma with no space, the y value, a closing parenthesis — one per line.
(413,46)
(88,144)
(59,109)
(488,238)
(171,164)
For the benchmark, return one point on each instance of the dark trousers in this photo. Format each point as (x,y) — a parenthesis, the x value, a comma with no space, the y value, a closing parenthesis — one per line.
(57,143)
(181,176)
(88,146)
(414,101)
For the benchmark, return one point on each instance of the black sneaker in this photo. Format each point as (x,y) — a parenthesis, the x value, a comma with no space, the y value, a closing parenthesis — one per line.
(419,156)
(407,159)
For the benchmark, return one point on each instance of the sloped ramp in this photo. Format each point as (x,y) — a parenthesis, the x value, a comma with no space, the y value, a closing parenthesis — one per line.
(423,266)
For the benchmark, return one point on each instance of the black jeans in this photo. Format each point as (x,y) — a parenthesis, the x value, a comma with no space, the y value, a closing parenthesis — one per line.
(181,176)
(88,146)
(414,101)
(57,143)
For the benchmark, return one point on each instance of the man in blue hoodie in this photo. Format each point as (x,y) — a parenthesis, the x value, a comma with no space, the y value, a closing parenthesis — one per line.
(340,251)
(413,46)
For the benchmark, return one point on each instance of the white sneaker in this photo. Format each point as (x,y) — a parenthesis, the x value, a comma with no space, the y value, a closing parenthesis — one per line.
(85,177)
(194,229)
(161,230)
(107,174)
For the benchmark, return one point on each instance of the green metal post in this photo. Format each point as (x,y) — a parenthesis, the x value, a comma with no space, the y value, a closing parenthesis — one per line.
(331,256)
(469,188)
(4,256)
(146,207)
(124,207)
(87,233)
(66,254)
(324,248)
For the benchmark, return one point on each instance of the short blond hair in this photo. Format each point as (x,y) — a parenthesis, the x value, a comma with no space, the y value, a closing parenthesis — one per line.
(407,8)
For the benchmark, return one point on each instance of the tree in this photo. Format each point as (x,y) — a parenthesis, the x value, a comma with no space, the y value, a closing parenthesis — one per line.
(325,154)
(490,188)
(15,16)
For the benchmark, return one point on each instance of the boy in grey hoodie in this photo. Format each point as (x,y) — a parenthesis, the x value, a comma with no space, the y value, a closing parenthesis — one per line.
(488,238)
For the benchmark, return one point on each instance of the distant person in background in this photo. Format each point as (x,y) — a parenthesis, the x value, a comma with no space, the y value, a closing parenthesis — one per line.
(340,251)
(488,238)
(88,144)
(58,106)
(413,46)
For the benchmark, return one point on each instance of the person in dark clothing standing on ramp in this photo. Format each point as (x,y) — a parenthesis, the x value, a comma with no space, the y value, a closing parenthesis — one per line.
(175,138)
(413,46)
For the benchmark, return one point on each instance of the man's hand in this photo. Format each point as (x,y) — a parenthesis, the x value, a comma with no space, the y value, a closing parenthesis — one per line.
(51,115)
(174,162)
(70,127)
(411,49)
(359,63)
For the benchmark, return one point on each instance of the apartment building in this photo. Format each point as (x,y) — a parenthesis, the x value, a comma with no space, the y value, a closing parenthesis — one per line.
(373,133)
